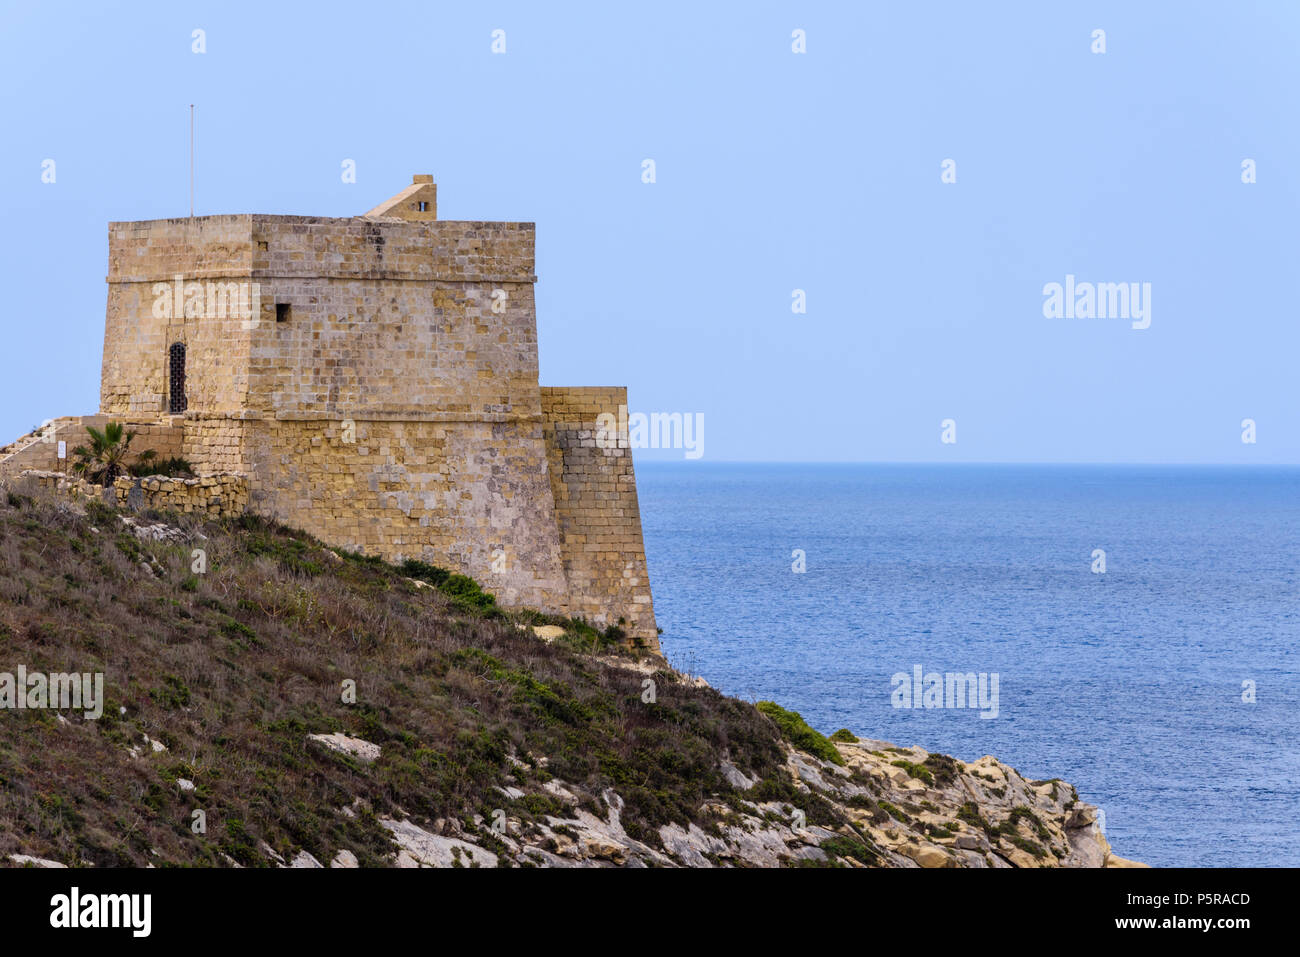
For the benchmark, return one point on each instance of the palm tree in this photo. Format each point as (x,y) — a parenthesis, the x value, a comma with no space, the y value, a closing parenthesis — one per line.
(105,459)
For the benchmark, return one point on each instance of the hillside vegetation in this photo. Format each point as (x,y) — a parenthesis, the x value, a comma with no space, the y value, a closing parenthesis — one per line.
(447,731)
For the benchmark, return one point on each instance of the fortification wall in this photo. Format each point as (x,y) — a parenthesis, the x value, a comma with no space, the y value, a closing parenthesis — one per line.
(148,311)
(598,512)
(383,396)
(356,319)
(216,443)
(472,497)
(395,319)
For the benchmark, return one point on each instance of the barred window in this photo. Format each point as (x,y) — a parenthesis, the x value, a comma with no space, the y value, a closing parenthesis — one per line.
(176,403)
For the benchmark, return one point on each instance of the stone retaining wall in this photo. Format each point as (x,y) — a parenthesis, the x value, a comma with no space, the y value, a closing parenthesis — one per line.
(215,496)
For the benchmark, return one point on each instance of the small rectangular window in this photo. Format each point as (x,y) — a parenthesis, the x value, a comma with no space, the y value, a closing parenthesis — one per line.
(423,206)
(281,312)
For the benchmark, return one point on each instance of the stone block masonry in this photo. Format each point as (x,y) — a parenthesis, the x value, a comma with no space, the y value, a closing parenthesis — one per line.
(213,496)
(596,506)
(471,496)
(374,379)
(39,450)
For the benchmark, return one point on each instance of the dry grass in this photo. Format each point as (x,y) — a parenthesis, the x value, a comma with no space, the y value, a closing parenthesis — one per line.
(233,668)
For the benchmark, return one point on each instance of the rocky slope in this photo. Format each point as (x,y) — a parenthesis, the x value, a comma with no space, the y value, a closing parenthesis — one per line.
(283,704)
(981,814)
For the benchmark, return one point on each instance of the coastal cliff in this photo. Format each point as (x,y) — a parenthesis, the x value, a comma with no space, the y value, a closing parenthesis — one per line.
(982,814)
(267,701)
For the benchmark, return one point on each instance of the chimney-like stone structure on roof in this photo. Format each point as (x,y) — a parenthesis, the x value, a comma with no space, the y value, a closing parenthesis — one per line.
(418,203)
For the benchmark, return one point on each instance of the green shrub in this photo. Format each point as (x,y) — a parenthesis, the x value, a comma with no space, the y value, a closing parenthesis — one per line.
(943,767)
(425,572)
(894,812)
(172,695)
(104,459)
(847,847)
(845,735)
(464,592)
(582,636)
(918,771)
(797,731)
(149,464)
(1021,812)
(101,514)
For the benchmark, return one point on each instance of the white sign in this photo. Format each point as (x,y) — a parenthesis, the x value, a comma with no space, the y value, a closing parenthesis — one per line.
(63,450)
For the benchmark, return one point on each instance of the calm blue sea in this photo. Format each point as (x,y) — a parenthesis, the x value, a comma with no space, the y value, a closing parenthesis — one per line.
(1127,684)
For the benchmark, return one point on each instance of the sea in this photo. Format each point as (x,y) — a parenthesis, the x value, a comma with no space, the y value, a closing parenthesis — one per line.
(1142,624)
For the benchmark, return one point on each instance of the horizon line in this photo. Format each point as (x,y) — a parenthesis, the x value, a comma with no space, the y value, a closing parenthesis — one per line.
(1136,464)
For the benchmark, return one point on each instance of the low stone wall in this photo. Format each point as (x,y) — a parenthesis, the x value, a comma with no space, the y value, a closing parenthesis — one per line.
(62,484)
(215,496)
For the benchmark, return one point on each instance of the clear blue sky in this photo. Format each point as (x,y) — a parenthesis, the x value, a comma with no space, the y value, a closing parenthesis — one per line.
(775,171)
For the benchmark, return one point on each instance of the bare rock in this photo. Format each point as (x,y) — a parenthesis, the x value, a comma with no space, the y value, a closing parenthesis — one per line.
(736,778)
(690,845)
(418,848)
(1114,860)
(341,743)
(926,855)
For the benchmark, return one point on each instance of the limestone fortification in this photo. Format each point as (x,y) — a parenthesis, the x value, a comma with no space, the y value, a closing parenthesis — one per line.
(372,380)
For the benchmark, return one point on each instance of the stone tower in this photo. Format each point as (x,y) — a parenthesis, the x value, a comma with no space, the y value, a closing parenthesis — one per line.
(375,378)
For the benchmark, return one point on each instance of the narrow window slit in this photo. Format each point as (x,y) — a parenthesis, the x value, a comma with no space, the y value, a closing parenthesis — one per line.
(176,401)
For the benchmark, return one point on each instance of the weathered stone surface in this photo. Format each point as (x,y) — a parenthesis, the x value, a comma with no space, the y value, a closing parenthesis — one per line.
(689,845)
(343,744)
(1015,823)
(225,496)
(736,778)
(927,855)
(419,848)
(597,510)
